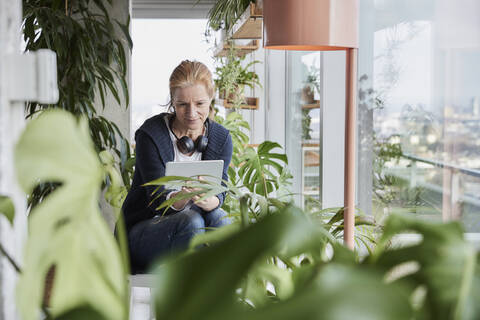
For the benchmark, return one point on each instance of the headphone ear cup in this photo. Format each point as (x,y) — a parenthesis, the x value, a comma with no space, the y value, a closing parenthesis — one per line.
(202,143)
(185,145)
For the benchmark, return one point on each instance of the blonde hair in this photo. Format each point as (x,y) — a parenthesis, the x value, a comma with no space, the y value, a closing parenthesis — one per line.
(189,73)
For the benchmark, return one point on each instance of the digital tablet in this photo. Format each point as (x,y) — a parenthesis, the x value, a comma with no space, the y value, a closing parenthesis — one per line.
(211,170)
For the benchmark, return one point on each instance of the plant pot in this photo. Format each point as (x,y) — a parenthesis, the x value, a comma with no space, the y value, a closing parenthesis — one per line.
(307,95)
(231,97)
(250,103)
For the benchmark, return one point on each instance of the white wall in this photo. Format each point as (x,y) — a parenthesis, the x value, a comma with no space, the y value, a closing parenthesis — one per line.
(275,89)
(332,106)
(256,118)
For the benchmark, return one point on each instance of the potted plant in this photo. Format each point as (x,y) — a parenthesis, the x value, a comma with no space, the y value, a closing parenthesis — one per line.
(232,77)
(312,85)
(91,65)
(225,13)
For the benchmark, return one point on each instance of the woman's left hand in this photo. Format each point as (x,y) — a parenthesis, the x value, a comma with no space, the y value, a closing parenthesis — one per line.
(206,204)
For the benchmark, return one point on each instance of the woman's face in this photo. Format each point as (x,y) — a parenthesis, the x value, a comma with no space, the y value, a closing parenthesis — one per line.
(192,105)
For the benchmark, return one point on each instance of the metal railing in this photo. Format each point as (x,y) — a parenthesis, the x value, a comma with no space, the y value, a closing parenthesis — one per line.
(452,196)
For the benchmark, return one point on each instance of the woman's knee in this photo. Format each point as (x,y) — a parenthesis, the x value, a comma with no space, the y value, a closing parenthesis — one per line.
(191,221)
(217,218)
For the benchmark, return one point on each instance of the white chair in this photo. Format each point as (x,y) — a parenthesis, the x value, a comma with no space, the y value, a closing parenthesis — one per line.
(141,300)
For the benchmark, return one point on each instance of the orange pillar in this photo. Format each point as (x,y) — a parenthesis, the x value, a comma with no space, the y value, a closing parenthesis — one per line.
(350,128)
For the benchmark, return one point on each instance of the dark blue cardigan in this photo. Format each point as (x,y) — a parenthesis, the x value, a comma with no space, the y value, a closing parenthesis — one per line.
(154,149)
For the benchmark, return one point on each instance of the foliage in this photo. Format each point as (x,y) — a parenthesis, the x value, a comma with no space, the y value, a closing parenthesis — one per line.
(67,230)
(256,171)
(384,152)
(285,264)
(366,228)
(306,122)
(445,268)
(260,168)
(368,97)
(232,77)
(7,208)
(290,253)
(388,189)
(225,13)
(237,126)
(91,63)
(313,79)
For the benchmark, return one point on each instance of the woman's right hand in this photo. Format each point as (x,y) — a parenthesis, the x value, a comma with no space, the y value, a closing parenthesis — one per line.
(180,204)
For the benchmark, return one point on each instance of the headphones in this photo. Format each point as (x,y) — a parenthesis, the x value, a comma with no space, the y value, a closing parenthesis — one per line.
(186,145)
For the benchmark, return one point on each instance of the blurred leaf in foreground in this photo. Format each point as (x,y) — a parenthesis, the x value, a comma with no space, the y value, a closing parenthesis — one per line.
(7,208)
(67,229)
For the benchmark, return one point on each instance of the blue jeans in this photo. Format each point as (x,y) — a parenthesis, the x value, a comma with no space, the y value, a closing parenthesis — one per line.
(151,239)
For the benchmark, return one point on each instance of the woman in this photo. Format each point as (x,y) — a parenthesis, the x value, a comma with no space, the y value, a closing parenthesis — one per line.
(184,135)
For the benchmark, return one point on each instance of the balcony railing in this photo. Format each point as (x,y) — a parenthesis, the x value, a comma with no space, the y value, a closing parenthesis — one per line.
(452,195)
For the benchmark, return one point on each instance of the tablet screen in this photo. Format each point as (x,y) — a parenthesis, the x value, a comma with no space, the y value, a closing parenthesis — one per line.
(211,169)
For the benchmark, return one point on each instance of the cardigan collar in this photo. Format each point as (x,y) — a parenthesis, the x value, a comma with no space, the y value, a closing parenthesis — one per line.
(156,128)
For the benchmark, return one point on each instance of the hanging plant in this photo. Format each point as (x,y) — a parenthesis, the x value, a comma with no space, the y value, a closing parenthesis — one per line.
(225,13)
(91,63)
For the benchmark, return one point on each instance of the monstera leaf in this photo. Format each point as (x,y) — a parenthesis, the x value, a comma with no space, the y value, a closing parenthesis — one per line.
(446,266)
(259,166)
(66,229)
(203,285)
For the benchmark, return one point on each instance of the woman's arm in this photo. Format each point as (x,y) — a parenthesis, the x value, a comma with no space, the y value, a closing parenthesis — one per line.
(217,201)
(150,166)
(226,156)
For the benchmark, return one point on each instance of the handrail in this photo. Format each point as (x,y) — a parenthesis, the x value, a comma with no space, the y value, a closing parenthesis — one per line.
(440,164)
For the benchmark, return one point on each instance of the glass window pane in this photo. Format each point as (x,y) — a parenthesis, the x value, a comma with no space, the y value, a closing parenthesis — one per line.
(159,45)
(422,64)
(303,125)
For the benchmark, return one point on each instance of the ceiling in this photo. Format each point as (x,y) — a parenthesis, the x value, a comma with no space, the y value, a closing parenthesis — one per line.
(173,9)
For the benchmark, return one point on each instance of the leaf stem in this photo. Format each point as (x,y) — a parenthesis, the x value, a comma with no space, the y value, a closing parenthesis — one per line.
(10,259)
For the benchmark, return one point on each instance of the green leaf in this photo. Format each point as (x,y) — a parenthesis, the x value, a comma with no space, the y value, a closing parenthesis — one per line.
(81,313)
(126,33)
(448,266)
(67,229)
(187,285)
(213,236)
(335,291)
(7,208)
(338,292)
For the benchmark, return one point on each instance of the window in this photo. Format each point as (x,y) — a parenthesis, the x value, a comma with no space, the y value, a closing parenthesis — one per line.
(159,45)
(419,77)
(303,125)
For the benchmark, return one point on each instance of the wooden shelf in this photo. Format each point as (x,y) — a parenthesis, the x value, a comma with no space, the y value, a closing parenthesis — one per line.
(250,23)
(241,50)
(252,103)
(307,144)
(311,106)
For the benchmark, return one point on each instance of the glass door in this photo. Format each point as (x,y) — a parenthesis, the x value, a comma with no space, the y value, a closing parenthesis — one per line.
(303,126)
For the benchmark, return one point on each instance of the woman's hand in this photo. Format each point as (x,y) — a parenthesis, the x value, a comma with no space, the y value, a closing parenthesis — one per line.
(180,204)
(207,204)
